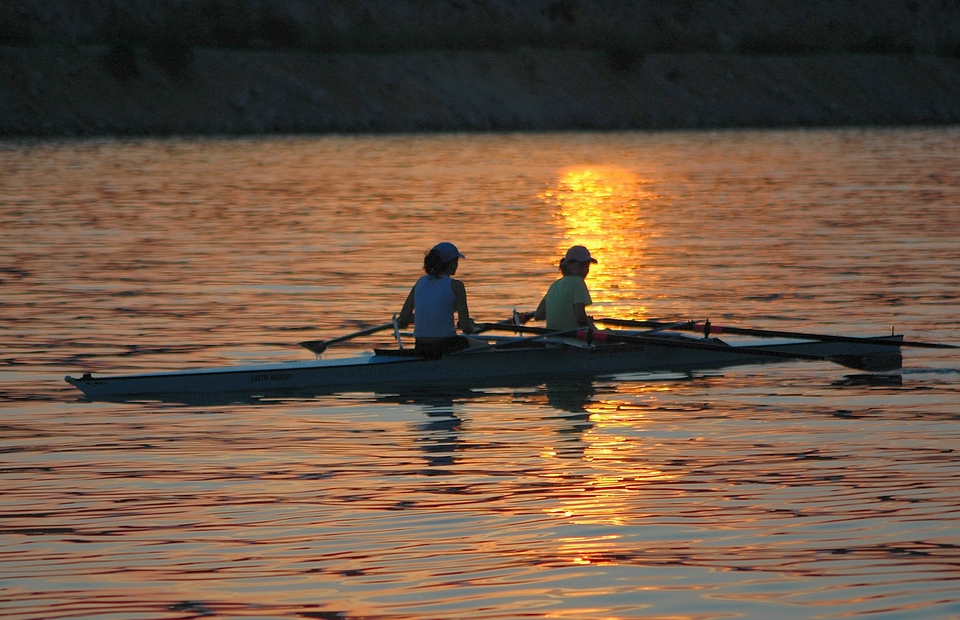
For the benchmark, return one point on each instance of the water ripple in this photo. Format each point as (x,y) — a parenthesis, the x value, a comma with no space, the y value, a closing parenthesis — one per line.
(783,489)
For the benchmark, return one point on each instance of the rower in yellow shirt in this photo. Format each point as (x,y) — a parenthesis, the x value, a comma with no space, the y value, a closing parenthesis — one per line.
(564,305)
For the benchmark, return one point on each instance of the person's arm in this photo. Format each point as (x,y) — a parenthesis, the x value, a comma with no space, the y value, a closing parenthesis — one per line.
(406,314)
(464,322)
(580,314)
(541,311)
(582,299)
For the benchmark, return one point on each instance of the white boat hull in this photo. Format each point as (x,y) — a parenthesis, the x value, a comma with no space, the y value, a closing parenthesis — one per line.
(489,366)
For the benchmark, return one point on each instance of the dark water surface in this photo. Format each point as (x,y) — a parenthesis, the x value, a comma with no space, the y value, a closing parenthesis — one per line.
(794,490)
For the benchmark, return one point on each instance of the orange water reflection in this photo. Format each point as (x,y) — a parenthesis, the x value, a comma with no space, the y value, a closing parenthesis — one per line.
(616,470)
(619,468)
(148,255)
(601,207)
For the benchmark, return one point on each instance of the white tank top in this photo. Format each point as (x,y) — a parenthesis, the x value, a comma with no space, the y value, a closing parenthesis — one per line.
(434,304)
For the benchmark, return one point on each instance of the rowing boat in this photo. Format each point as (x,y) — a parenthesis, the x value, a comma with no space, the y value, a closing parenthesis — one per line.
(495,361)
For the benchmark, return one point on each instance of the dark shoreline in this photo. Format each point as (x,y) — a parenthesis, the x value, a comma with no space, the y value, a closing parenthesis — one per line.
(68,91)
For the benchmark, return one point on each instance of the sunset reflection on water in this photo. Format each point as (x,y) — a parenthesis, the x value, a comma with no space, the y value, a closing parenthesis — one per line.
(749,492)
(614,451)
(601,207)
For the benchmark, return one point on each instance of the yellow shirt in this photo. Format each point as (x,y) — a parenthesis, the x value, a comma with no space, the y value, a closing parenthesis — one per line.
(560,297)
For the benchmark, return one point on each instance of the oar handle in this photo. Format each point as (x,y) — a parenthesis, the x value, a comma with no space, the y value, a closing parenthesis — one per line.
(507,324)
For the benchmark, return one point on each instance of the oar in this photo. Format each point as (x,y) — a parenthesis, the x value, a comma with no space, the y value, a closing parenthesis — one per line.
(609,336)
(707,328)
(505,326)
(579,332)
(543,334)
(702,345)
(319,346)
(502,324)
(512,324)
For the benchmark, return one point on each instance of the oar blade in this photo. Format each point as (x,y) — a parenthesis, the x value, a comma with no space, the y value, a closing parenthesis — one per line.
(315,346)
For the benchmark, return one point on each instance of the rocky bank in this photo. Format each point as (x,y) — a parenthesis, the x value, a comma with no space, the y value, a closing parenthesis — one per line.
(68,91)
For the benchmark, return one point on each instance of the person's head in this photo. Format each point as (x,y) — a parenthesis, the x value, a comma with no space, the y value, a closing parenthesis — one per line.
(577,262)
(442,259)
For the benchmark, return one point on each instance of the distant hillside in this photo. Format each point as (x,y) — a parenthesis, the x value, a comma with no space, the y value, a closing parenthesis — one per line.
(744,26)
(135,67)
(48,91)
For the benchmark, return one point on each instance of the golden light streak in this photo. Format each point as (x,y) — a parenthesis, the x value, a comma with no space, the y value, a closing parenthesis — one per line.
(601,207)
(615,456)
(618,473)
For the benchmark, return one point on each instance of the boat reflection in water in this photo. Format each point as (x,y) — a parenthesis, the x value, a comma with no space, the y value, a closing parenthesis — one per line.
(441,435)
(572,402)
(877,380)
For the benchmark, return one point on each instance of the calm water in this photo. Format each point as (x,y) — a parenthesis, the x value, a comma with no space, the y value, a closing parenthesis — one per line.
(795,490)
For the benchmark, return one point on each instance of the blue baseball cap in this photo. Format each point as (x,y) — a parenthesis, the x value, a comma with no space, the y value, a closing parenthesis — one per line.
(447,251)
